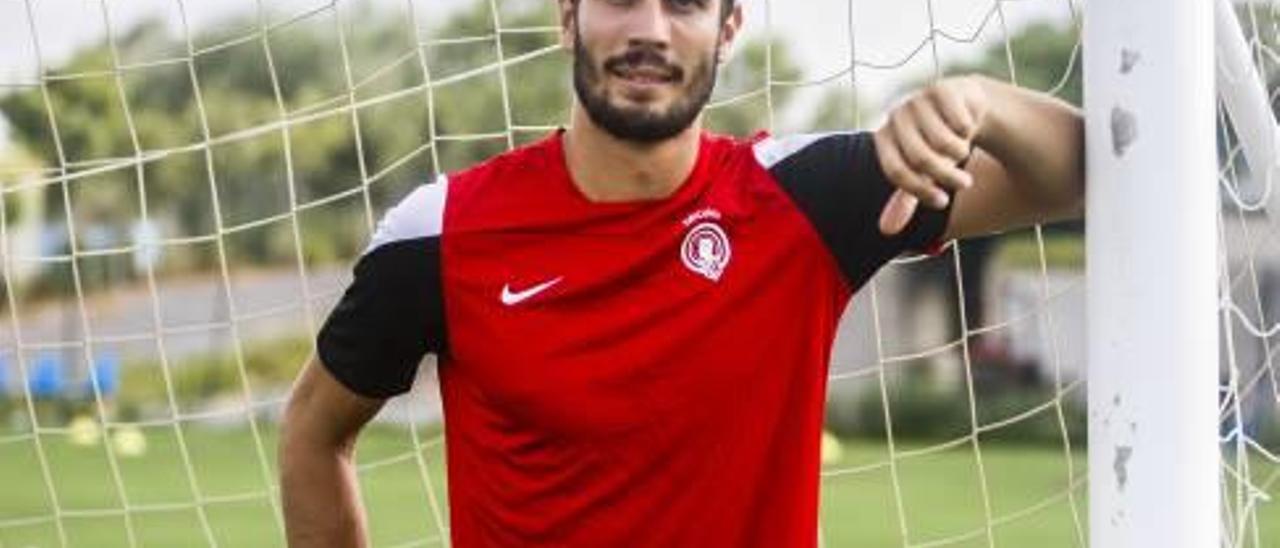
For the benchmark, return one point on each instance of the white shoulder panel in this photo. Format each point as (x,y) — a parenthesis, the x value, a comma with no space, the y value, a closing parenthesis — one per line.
(771,150)
(418,215)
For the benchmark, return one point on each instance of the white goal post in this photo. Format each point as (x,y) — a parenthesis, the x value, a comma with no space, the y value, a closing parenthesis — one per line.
(1244,96)
(1152,260)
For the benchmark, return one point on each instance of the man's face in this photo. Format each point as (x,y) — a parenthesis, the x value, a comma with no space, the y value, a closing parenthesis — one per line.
(644,69)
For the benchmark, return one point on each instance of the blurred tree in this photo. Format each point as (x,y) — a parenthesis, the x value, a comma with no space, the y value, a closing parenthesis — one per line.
(1041,54)
(1042,59)
(839,110)
(746,90)
(237,99)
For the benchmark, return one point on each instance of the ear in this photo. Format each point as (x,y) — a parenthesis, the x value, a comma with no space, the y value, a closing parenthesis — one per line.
(567,22)
(729,31)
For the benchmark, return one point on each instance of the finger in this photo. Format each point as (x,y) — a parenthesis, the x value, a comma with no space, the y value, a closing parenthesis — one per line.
(901,175)
(957,149)
(897,213)
(964,163)
(938,198)
(929,162)
(939,135)
(955,111)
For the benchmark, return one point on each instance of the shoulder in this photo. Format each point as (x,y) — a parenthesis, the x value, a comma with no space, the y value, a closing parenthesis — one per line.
(503,177)
(531,157)
(807,150)
(828,174)
(419,215)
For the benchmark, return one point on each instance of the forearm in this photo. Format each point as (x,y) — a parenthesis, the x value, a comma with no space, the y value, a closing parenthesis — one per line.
(1039,140)
(321,495)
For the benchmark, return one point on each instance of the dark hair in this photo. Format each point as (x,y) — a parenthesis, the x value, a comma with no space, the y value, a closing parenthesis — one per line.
(726,8)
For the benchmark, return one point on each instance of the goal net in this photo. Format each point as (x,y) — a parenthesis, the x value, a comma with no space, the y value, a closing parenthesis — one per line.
(1247,176)
(185,185)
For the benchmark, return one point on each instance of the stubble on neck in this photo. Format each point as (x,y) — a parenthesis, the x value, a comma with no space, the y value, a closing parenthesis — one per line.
(608,169)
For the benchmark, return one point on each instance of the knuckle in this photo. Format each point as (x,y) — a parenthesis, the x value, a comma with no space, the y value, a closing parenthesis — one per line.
(921,185)
(955,147)
(913,161)
(937,164)
(919,102)
(906,180)
(934,91)
(940,138)
(898,119)
(941,168)
(923,188)
(896,172)
(956,181)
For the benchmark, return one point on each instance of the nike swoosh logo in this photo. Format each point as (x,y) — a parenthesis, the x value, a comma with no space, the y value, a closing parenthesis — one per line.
(512,298)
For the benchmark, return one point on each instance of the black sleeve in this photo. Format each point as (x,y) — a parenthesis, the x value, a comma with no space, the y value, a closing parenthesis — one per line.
(836,181)
(392,314)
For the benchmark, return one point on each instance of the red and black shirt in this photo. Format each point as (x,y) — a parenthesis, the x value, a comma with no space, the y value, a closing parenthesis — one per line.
(646,373)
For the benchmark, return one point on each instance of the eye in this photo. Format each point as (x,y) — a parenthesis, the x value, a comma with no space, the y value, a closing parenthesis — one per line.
(687,5)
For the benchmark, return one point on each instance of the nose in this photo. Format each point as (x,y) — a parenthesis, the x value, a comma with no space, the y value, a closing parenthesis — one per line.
(648,25)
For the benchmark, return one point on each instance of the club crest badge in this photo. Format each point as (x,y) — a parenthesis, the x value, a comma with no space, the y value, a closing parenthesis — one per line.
(706,249)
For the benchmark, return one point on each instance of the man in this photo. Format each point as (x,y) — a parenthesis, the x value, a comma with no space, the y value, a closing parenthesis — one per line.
(632,316)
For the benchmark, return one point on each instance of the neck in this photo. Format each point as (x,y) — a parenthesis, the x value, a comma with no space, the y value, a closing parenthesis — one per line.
(608,169)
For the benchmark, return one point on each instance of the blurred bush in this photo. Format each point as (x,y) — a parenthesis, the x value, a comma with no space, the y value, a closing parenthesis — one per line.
(924,411)
(268,365)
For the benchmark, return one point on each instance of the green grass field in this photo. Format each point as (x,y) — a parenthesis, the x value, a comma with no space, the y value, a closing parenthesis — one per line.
(941,493)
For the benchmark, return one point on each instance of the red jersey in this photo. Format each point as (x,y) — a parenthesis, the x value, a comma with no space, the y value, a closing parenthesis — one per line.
(646,373)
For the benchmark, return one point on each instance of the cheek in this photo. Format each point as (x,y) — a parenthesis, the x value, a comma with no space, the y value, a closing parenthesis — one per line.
(699,45)
(595,53)
(595,30)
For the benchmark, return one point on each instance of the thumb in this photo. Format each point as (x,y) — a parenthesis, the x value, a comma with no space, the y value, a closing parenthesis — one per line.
(897,212)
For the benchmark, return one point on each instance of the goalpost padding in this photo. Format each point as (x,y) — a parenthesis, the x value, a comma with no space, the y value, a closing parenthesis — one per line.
(1151,269)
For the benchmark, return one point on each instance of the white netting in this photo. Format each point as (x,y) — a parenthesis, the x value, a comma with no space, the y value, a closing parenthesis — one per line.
(186,185)
(1249,297)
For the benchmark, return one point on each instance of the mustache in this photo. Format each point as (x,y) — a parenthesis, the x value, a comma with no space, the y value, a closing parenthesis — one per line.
(643,57)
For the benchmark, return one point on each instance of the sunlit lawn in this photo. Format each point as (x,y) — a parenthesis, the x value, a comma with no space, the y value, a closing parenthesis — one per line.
(936,496)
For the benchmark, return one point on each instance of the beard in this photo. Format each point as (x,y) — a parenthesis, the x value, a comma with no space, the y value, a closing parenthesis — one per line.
(640,124)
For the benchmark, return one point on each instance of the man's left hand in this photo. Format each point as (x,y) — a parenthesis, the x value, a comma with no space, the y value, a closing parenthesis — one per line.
(924,144)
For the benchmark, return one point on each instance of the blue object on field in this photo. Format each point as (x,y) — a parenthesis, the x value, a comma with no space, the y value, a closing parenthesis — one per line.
(106,370)
(46,377)
(4,377)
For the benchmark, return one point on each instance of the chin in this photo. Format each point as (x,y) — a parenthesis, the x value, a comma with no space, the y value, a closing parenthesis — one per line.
(644,110)
(649,105)
(646,95)
(650,101)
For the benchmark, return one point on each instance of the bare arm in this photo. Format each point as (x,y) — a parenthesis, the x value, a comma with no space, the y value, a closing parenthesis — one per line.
(318,481)
(368,350)
(1027,162)
(1028,165)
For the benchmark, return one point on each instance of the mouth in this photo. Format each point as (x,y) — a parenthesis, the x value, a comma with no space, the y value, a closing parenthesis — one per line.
(644,75)
(643,68)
